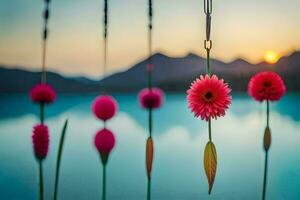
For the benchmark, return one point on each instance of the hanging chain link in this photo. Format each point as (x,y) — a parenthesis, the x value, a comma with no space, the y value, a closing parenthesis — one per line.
(208,41)
(46,16)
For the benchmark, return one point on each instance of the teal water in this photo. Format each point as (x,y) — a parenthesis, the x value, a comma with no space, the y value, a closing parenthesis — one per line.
(179,144)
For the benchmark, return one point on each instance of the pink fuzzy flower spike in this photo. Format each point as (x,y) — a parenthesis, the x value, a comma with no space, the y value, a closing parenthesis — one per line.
(266,86)
(40,140)
(105,107)
(104,142)
(42,93)
(151,98)
(208,97)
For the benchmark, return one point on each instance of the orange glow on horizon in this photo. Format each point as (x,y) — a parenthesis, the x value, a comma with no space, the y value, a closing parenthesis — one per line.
(271,57)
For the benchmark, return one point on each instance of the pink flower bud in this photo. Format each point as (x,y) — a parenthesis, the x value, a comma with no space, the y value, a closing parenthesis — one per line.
(151,98)
(104,107)
(104,142)
(40,140)
(42,93)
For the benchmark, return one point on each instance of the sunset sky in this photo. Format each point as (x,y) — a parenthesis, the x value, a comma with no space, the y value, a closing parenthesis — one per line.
(241,28)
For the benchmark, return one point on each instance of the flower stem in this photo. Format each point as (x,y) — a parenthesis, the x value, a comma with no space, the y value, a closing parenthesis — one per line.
(265,176)
(104,182)
(209,130)
(61,144)
(150,121)
(268,113)
(149,189)
(266,156)
(42,111)
(41,180)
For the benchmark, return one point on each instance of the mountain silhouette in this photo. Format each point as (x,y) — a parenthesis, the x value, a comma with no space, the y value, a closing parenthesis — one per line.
(173,74)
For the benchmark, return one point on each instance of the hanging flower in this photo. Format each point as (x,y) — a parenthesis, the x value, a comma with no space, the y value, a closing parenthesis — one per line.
(42,93)
(266,86)
(104,142)
(105,107)
(151,98)
(208,97)
(40,140)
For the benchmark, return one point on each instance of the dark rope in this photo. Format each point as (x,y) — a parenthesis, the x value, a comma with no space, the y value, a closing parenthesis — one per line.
(46,16)
(150,26)
(105,23)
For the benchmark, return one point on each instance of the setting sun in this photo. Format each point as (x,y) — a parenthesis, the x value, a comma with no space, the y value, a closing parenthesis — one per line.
(271,57)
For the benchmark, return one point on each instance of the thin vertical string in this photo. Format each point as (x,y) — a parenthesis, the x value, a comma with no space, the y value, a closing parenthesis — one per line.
(44,53)
(208,46)
(266,156)
(44,42)
(105,35)
(105,23)
(149,75)
(150,26)
(150,64)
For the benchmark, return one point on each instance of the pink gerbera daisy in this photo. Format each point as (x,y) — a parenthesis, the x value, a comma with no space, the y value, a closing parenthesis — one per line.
(266,86)
(208,97)
(42,93)
(40,140)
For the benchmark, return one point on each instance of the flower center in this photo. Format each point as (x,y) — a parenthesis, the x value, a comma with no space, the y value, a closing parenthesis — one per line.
(208,96)
(267,84)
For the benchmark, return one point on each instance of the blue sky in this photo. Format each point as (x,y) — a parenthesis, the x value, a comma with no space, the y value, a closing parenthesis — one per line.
(245,29)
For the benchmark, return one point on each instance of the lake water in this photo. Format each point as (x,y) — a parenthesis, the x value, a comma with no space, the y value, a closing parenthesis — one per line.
(179,144)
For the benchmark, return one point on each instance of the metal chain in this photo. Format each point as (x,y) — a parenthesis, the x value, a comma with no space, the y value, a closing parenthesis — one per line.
(208,41)
(46,16)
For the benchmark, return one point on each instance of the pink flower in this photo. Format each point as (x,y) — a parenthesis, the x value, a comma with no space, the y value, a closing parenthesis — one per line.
(151,98)
(40,140)
(105,107)
(266,86)
(208,97)
(42,93)
(104,142)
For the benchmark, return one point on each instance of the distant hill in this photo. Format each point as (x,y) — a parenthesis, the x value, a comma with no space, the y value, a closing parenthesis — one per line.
(174,74)
(17,80)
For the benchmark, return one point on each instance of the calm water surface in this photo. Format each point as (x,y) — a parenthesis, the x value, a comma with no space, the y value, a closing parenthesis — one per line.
(179,143)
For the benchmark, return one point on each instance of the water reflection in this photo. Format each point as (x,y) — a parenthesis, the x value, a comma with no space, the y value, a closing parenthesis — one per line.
(179,144)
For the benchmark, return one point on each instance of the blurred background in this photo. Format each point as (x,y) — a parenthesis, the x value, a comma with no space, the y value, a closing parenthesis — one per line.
(248,37)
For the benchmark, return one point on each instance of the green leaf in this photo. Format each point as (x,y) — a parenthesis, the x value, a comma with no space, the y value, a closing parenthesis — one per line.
(59,154)
(210,164)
